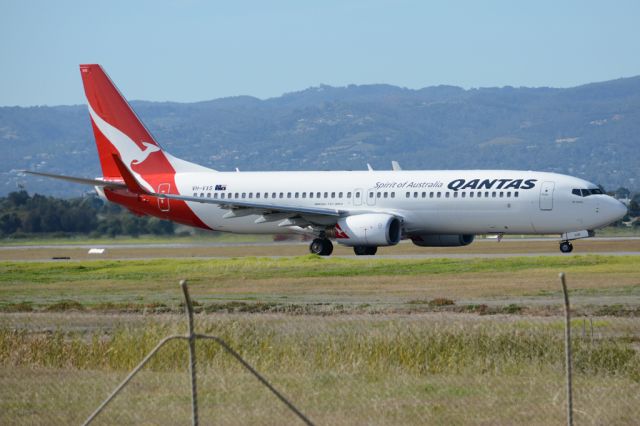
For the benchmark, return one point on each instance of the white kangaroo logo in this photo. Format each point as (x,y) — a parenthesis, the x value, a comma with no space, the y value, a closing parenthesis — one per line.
(129,151)
(149,148)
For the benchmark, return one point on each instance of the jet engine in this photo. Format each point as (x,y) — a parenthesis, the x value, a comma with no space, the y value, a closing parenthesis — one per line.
(370,229)
(444,240)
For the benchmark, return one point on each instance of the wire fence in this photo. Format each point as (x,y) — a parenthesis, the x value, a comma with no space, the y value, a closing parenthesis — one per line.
(436,368)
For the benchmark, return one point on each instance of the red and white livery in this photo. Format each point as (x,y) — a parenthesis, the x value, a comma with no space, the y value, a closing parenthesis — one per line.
(361,209)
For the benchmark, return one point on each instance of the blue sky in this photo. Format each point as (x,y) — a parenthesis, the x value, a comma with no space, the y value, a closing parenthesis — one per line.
(195,50)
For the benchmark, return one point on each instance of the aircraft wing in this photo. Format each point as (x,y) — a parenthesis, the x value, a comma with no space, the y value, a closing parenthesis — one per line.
(247,207)
(265,207)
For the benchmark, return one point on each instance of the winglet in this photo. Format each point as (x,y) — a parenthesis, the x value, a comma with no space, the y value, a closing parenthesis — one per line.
(132,183)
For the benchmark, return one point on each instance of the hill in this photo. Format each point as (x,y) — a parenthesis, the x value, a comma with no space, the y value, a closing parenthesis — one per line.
(591,131)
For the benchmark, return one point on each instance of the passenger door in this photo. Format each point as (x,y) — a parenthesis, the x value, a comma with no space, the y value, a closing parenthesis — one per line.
(546,195)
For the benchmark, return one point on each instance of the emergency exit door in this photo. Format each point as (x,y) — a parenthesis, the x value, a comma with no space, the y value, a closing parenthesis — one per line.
(163,203)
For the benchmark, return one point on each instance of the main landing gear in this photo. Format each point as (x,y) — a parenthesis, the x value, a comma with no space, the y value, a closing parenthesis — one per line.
(365,250)
(321,247)
(566,247)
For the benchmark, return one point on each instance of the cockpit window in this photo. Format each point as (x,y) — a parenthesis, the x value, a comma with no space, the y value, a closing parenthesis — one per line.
(586,192)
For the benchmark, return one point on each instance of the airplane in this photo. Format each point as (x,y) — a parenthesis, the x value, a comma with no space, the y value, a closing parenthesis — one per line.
(359,209)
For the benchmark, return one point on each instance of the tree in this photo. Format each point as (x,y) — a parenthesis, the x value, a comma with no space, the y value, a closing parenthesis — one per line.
(18,198)
(9,223)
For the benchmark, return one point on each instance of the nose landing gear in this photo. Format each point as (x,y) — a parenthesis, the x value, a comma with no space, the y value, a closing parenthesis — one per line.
(321,247)
(566,247)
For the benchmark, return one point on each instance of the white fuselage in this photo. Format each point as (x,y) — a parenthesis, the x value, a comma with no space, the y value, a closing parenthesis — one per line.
(430,202)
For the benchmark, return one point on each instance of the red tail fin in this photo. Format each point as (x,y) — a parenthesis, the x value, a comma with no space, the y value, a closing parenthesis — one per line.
(118,130)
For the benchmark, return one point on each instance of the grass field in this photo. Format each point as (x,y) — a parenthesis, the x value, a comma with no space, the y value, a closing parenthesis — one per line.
(313,284)
(351,341)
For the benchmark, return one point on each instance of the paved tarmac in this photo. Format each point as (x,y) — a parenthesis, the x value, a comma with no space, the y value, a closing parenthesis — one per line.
(482,248)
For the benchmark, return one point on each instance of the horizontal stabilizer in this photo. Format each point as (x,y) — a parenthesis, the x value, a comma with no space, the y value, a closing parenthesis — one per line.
(84,181)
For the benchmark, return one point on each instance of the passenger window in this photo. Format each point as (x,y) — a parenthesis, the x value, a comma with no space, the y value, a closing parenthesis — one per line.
(408,195)
(222,195)
(515,194)
(281,195)
(215,195)
(431,195)
(208,195)
(479,194)
(201,194)
(415,195)
(378,195)
(508,194)
(195,194)
(244,195)
(471,195)
(340,195)
(501,194)
(393,195)
(439,194)
(446,194)
(464,194)
(357,194)
(333,195)
(304,195)
(455,194)
(424,195)
(237,195)
(371,195)
(348,195)
(266,195)
(251,195)
(493,194)
(486,194)
(288,195)
(297,194)
(311,195)
(386,195)
(326,194)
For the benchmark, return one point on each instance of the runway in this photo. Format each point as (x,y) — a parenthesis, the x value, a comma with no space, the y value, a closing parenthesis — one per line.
(482,248)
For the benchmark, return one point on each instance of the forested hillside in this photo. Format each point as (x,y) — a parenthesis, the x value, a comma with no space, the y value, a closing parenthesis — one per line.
(591,131)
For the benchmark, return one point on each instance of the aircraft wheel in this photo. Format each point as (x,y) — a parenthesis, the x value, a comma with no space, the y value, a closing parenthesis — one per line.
(321,247)
(327,248)
(566,247)
(365,250)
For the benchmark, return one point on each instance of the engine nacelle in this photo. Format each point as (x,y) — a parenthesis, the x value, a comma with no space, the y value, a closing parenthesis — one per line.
(445,240)
(369,229)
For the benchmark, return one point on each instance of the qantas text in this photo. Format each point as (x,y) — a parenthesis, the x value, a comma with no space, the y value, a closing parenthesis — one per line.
(492,184)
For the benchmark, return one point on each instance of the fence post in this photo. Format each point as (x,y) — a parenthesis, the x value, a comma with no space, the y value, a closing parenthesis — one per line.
(192,354)
(567,350)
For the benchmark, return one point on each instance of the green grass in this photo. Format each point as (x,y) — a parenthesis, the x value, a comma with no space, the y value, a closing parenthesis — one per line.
(295,267)
(303,284)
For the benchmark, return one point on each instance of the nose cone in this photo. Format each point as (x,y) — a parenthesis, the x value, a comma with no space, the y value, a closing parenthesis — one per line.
(615,210)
